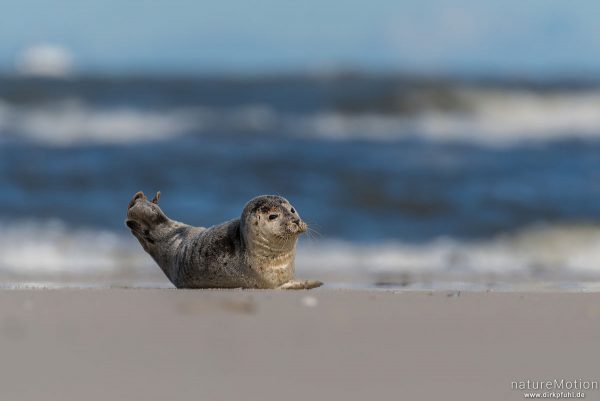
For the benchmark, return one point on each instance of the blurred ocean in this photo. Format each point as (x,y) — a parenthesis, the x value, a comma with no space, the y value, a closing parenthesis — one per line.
(411,182)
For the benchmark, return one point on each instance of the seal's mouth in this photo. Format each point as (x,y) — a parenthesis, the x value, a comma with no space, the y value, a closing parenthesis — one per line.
(302,227)
(297,227)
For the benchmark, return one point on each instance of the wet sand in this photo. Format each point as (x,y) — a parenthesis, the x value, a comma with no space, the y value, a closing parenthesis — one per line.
(162,344)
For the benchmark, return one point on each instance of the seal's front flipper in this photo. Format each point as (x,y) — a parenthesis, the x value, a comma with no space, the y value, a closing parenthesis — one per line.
(301,285)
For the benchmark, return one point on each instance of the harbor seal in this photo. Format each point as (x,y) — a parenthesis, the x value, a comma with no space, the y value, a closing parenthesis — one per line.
(254,251)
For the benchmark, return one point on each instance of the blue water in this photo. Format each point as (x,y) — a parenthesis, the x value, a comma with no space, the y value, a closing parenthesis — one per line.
(408,187)
(410,177)
(353,190)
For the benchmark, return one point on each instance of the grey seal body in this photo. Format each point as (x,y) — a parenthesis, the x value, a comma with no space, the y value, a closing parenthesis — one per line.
(254,251)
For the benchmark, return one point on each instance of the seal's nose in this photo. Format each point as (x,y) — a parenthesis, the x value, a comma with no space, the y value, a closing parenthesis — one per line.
(302,227)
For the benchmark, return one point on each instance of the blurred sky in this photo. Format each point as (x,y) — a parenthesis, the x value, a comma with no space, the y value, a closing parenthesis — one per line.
(166,36)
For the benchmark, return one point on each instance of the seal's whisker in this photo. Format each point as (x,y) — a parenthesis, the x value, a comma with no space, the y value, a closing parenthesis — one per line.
(315,232)
(311,224)
(310,236)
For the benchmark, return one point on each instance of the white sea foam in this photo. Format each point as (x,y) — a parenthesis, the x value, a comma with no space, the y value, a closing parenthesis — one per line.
(487,117)
(47,248)
(557,251)
(490,117)
(73,122)
(35,251)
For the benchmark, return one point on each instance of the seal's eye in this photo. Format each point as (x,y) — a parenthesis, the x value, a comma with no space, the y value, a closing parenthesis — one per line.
(273,216)
(292,210)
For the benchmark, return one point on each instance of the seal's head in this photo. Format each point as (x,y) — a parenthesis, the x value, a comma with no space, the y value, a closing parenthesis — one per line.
(272,218)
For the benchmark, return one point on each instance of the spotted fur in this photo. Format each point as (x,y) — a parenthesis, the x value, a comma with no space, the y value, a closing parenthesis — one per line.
(255,251)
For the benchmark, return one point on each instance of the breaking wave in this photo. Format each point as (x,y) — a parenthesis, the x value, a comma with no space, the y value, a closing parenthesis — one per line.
(51,247)
(72,122)
(53,252)
(550,251)
(489,117)
(486,117)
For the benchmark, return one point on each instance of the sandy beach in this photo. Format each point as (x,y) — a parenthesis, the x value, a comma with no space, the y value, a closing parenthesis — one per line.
(162,344)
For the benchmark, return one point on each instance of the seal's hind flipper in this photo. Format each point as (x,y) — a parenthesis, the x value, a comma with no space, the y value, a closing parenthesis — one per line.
(138,195)
(156,198)
(300,285)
